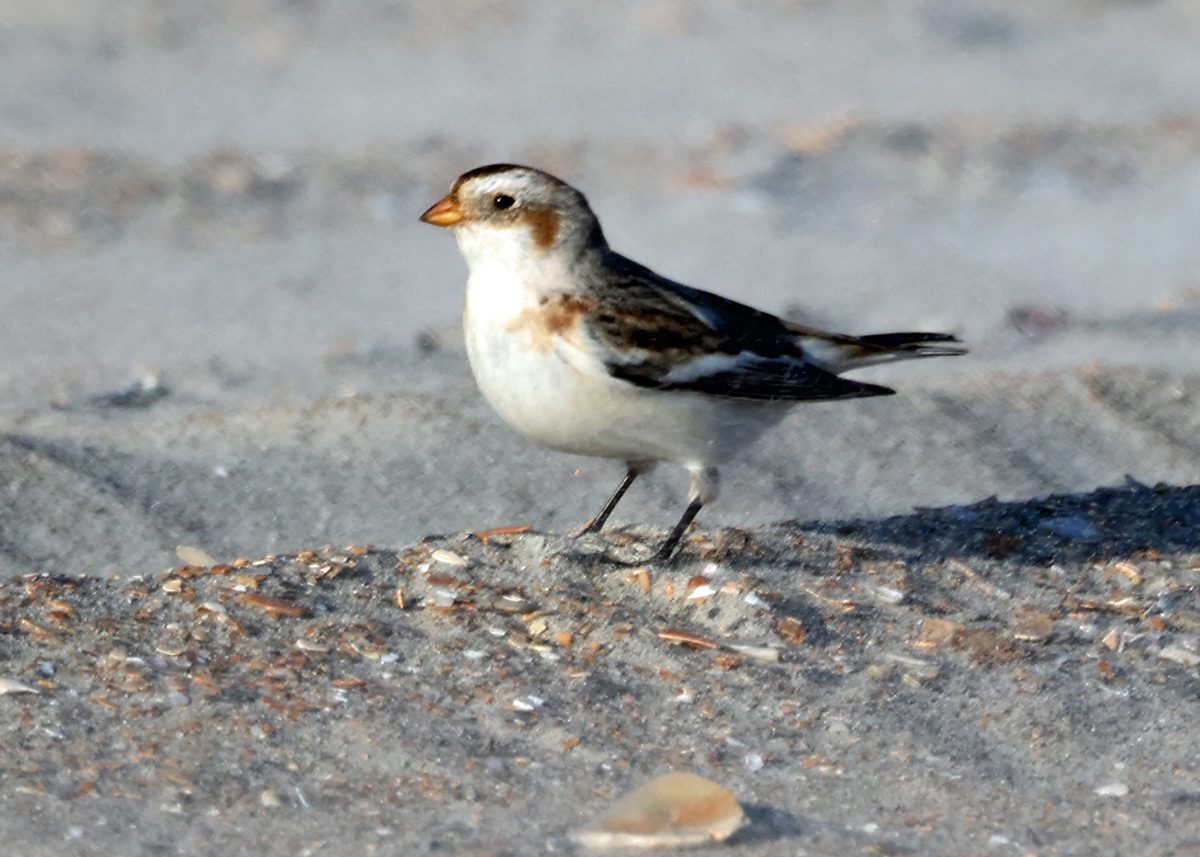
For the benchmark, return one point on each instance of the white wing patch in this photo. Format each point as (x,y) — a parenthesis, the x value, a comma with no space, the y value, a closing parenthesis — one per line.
(711,364)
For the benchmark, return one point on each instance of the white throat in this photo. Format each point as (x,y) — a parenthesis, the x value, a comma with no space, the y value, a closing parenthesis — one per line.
(505,260)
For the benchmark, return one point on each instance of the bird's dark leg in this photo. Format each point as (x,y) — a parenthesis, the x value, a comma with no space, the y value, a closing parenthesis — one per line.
(668,547)
(704,487)
(633,471)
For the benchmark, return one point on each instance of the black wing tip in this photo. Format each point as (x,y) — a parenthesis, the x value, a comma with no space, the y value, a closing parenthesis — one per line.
(873,390)
(910,339)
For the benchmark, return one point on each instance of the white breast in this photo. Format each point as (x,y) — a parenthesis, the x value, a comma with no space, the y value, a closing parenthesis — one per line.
(557,390)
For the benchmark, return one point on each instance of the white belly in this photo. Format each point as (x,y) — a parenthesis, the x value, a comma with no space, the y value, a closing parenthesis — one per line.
(561,396)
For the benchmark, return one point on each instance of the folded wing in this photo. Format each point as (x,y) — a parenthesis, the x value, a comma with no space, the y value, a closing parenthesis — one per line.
(667,336)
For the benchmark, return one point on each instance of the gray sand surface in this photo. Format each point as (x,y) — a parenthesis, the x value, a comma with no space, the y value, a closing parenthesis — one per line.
(224,329)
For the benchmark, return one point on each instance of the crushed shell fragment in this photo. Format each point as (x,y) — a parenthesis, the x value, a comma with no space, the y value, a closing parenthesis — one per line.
(1180,655)
(769,654)
(676,810)
(11,685)
(446,557)
(194,556)
(276,607)
(687,638)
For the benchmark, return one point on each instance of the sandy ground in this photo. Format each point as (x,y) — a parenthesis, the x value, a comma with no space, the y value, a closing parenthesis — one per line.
(224,329)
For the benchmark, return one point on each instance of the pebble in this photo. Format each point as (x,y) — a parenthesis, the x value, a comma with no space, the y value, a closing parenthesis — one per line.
(1112,790)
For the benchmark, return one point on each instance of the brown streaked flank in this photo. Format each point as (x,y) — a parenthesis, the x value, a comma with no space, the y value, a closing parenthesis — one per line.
(552,317)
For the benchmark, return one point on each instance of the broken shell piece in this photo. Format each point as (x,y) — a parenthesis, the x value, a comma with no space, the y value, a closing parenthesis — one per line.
(687,638)
(1114,640)
(886,594)
(755,600)
(304,644)
(1180,655)
(513,530)
(770,654)
(676,810)
(528,703)
(934,632)
(641,577)
(512,602)
(1033,626)
(194,556)
(274,607)
(11,685)
(446,557)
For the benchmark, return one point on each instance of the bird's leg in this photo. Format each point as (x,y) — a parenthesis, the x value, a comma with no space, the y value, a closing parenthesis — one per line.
(668,547)
(703,490)
(634,469)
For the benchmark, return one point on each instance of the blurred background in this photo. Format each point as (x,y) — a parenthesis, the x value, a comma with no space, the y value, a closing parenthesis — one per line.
(219,200)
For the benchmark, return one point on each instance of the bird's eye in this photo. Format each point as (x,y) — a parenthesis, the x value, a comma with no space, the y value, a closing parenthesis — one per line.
(503,201)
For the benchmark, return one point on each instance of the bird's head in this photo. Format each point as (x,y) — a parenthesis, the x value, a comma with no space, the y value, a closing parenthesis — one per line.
(505,212)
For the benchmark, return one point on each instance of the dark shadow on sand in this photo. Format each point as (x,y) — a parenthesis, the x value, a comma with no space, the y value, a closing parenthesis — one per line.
(1108,523)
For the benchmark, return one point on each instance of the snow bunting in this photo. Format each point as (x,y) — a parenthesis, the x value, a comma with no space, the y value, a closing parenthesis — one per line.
(588,352)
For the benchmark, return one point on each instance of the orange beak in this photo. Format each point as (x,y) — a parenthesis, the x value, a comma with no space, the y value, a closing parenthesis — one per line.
(445,212)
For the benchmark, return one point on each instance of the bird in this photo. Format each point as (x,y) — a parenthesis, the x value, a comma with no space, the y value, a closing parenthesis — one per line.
(586,351)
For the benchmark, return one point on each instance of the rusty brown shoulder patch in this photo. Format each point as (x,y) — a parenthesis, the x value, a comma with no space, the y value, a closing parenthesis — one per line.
(553,316)
(544,223)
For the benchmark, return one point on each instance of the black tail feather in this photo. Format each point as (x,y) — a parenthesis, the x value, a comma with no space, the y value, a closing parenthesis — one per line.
(922,344)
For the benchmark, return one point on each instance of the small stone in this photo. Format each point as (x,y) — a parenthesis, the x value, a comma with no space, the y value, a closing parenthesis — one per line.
(1112,790)
(676,810)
